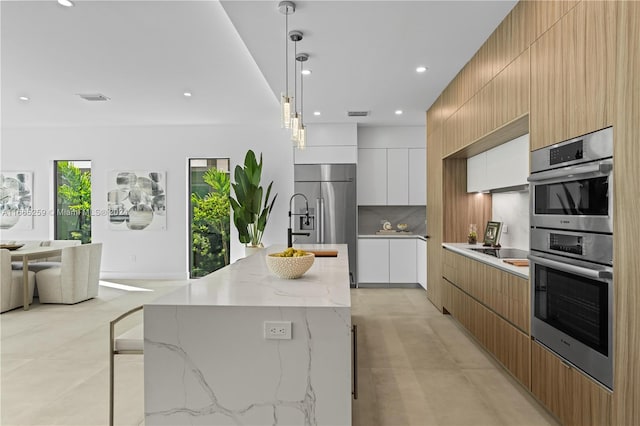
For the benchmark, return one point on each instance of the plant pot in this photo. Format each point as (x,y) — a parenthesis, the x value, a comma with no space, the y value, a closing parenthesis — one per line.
(472,240)
(250,250)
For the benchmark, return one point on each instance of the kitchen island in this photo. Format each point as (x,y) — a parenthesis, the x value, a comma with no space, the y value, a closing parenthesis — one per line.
(207,361)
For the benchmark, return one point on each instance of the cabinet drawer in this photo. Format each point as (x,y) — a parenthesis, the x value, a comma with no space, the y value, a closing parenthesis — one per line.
(566,392)
(508,345)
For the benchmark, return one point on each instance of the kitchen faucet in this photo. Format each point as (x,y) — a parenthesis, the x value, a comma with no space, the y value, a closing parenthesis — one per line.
(290,232)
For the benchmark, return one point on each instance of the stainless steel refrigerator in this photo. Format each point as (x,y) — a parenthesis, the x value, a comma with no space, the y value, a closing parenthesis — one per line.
(331,192)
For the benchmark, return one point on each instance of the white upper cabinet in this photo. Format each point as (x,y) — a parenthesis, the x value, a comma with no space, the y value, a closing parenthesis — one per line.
(393,177)
(372,177)
(501,167)
(398,177)
(417,177)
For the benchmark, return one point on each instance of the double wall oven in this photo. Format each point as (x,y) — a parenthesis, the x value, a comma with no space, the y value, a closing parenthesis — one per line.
(571,256)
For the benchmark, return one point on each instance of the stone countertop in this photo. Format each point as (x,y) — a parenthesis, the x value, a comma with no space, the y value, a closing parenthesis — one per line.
(398,235)
(464,249)
(248,282)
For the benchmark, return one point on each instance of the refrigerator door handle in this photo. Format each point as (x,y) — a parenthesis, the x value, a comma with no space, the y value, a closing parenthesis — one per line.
(320,213)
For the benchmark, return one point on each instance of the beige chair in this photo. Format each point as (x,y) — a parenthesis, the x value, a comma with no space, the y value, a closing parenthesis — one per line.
(76,280)
(11,283)
(128,343)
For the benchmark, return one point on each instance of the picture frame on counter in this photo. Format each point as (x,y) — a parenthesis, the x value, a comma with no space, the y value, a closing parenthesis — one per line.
(492,233)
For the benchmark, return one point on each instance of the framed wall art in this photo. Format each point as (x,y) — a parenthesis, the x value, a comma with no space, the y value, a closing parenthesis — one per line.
(492,233)
(16,210)
(137,200)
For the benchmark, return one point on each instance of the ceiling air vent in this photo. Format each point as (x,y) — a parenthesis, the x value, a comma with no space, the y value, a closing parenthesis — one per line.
(357,113)
(93,97)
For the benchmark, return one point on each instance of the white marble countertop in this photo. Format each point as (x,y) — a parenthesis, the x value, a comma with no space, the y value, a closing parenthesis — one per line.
(398,235)
(248,282)
(464,249)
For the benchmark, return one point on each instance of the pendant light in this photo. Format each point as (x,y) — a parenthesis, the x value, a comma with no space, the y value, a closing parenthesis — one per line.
(286,8)
(295,37)
(302,130)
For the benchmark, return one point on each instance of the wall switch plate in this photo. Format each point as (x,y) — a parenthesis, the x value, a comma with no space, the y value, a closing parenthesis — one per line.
(277,330)
(505,228)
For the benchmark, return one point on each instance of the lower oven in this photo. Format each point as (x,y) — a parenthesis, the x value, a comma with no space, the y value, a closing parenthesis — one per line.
(572,312)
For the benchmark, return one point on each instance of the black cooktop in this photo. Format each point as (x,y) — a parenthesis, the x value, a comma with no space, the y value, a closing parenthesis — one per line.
(503,253)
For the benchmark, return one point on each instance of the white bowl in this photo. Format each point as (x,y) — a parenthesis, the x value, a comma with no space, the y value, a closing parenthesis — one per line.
(402,226)
(289,267)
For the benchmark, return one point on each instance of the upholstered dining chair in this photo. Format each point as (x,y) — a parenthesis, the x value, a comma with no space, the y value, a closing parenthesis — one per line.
(75,280)
(11,284)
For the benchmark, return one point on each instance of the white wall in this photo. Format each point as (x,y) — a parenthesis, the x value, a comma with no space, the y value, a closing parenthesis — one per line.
(329,144)
(512,209)
(392,137)
(158,254)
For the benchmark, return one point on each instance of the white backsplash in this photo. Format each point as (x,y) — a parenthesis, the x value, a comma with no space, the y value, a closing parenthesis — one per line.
(512,209)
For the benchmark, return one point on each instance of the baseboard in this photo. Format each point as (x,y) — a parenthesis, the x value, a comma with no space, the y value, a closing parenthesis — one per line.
(390,285)
(107,275)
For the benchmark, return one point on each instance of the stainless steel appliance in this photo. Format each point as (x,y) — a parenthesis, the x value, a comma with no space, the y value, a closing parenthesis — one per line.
(332,211)
(571,260)
(571,184)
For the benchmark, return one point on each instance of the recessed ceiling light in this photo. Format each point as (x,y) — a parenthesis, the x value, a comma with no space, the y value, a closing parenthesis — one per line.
(66,3)
(187,94)
(398,112)
(421,69)
(316,112)
(306,72)
(24,98)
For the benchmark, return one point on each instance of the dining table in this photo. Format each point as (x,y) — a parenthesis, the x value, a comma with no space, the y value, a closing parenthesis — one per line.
(26,254)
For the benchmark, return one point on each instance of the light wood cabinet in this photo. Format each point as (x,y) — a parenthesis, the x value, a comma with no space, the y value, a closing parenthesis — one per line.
(504,293)
(566,392)
(626,269)
(506,343)
(434,216)
(573,74)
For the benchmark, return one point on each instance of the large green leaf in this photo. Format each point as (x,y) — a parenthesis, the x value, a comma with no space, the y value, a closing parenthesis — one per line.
(250,213)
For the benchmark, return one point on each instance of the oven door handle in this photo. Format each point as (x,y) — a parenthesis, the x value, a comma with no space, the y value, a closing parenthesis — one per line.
(597,273)
(600,168)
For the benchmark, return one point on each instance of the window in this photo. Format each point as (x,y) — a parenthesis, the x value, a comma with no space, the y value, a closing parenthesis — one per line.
(210,215)
(73,200)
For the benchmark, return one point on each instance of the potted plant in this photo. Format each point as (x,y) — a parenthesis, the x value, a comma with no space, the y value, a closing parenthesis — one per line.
(250,214)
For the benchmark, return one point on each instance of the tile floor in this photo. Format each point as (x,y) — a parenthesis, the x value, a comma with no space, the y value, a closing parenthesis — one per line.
(416,366)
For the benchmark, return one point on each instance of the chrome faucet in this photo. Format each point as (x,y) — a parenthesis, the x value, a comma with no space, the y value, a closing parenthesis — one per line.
(290,232)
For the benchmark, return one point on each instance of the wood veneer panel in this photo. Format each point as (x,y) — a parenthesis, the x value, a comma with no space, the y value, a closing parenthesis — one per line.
(626,269)
(507,344)
(547,13)
(504,293)
(573,74)
(460,208)
(566,392)
(547,116)
(511,92)
(434,217)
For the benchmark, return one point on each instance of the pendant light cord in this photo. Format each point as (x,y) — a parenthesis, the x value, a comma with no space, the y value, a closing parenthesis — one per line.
(295,77)
(286,51)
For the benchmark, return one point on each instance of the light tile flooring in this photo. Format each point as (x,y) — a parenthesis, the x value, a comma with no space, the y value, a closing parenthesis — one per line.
(416,366)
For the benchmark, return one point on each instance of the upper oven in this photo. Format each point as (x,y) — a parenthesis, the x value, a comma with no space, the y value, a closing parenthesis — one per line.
(572,183)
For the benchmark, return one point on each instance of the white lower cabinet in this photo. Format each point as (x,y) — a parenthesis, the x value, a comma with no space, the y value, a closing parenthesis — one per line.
(402,261)
(373,260)
(391,260)
(421,262)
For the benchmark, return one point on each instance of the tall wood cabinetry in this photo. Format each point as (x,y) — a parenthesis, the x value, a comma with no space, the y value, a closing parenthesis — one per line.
(573,74)
(559,69)
(626,269)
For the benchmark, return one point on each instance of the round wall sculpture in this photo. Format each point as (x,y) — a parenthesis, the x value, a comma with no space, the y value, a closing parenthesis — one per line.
(15,200)
(136,200)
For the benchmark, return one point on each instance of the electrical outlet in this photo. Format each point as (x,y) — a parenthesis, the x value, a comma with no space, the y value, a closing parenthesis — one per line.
(277,330)
(505,228)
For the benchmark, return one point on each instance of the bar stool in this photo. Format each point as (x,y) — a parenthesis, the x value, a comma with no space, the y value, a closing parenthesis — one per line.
(128,343)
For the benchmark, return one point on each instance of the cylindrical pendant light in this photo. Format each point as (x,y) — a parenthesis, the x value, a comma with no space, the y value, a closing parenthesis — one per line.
(286,8)
(295,36)
(302,130)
